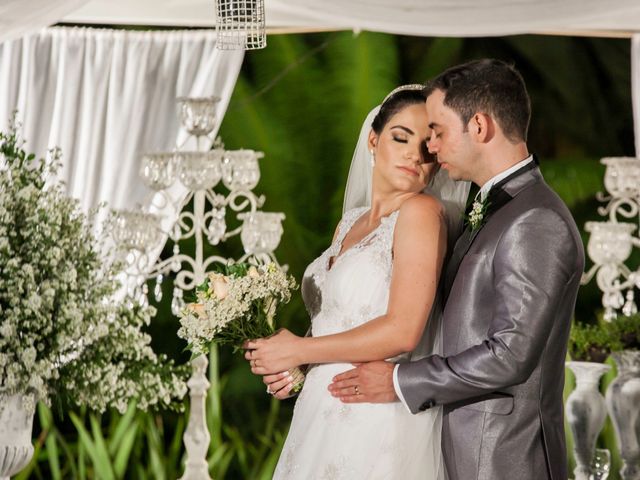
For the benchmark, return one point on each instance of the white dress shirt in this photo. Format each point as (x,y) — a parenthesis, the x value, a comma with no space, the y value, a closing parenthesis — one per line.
(484,191)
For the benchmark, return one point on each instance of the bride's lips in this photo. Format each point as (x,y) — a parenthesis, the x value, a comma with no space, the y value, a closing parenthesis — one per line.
(409,170)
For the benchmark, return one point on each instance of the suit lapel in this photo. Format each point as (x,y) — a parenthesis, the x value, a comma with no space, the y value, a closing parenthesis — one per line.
(498,197)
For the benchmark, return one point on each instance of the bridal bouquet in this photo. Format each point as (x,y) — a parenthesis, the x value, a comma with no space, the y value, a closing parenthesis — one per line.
(236,306)
(62,335)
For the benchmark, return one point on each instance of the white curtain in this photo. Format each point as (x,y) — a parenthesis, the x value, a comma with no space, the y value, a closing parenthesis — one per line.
(635,89)
(20,17)
(105,96)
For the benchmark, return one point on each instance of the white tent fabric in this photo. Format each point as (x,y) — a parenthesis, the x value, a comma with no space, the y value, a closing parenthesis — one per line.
(106,96)
(409,17)
(20,17)
(635,89)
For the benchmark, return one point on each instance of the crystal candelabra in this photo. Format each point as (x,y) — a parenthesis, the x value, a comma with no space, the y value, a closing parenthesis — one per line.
(200,214)
(611,242)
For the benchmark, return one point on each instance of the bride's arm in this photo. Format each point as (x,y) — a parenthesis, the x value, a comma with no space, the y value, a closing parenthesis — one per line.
(419,248)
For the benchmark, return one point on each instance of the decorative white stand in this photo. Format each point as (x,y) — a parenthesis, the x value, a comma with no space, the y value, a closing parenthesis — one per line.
(196,437)
(139,234)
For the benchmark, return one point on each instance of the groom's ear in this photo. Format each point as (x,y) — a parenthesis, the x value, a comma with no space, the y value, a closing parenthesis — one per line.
(482,127)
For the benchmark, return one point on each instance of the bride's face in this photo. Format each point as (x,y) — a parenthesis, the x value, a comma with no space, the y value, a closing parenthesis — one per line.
(401,157)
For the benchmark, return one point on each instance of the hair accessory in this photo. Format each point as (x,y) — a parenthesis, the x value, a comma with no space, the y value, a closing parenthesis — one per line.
(411,86)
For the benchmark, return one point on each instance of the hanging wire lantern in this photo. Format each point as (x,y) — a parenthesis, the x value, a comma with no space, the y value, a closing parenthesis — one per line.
(240,24)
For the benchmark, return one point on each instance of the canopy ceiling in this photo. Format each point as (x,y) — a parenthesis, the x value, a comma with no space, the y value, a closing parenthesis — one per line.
(411,17)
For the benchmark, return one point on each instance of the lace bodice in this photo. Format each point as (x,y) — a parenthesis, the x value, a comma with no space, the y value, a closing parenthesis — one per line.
(354,288)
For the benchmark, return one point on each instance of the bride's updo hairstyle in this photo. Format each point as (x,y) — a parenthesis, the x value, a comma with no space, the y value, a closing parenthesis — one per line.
(396,101)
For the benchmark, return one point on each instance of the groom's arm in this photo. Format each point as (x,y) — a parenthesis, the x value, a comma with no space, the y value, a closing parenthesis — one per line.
(536,261)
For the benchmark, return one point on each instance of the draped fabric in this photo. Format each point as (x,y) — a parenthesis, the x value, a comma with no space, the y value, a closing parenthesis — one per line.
(20,17)
(458,18)
(462,18)
(105,96)
(635,89)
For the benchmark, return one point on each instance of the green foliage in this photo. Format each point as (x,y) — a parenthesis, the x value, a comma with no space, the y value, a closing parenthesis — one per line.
(627,330)
(592,343)
(149,446)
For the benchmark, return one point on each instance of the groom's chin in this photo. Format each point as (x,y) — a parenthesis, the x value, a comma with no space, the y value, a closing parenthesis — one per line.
(453,175)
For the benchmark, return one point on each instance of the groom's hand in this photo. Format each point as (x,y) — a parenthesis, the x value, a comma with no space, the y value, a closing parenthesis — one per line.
(369,382)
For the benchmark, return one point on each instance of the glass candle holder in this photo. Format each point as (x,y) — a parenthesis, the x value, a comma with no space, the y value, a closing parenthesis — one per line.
(198,114)
(199,170)
(240,169)
(261,231)
(158,170)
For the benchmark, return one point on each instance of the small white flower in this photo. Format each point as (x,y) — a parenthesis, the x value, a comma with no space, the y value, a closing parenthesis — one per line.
(475,219)
(29,357)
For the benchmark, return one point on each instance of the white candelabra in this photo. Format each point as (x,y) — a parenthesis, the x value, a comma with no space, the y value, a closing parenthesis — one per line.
(611,242)
(141,235)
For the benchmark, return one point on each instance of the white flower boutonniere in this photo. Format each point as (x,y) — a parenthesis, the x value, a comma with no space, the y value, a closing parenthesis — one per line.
(476,217)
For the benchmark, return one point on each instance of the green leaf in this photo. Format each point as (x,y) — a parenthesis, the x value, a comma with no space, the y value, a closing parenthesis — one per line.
(124,425)
(96,449)
(155,450)
(106,468)
(51,444)
(121,460)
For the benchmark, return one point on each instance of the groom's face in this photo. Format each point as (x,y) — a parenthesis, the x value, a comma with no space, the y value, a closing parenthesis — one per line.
(448,139)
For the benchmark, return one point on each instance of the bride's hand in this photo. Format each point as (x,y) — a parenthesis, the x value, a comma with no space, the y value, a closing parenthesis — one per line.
(274,354)
(279,385)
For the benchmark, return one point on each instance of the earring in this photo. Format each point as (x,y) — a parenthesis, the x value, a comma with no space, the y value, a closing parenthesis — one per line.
(373,158)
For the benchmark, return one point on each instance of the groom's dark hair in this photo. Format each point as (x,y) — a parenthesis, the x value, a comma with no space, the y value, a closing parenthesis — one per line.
(488,86)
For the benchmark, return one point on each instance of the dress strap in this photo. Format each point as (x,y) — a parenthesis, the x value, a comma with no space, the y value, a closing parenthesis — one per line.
(348,219)
(386,230)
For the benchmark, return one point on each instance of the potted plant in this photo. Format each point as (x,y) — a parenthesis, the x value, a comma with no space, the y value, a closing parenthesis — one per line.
(589,346)
(63,336)
(623,393)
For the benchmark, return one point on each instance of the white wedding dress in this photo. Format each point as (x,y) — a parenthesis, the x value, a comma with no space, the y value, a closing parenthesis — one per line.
(331,440)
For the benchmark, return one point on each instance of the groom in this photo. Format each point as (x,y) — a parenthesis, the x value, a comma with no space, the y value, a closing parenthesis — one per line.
(510,289)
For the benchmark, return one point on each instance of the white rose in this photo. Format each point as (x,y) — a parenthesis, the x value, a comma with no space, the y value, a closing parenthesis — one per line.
(253,272)
(221,287)
(197,309)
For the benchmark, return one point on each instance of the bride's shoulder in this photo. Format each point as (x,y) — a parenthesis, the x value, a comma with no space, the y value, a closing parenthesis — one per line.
(421,207)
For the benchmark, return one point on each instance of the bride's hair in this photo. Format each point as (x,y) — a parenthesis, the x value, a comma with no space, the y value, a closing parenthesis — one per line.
(394,103)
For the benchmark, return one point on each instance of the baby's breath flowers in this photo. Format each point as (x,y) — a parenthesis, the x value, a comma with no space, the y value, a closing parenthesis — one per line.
(476,217)
(62,335)
(236,306)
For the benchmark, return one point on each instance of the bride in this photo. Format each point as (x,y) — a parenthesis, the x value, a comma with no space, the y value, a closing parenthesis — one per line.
(369,296)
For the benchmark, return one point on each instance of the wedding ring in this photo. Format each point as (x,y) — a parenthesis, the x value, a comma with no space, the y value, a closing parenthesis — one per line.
(269,390)
(357,390)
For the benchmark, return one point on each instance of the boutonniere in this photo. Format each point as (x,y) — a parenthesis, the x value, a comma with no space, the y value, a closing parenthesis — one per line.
(476,217)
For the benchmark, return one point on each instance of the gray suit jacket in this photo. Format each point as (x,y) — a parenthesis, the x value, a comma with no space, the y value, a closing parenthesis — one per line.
(511,288)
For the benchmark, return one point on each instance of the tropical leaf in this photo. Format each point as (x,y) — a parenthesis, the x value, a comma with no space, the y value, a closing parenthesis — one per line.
(95,447)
